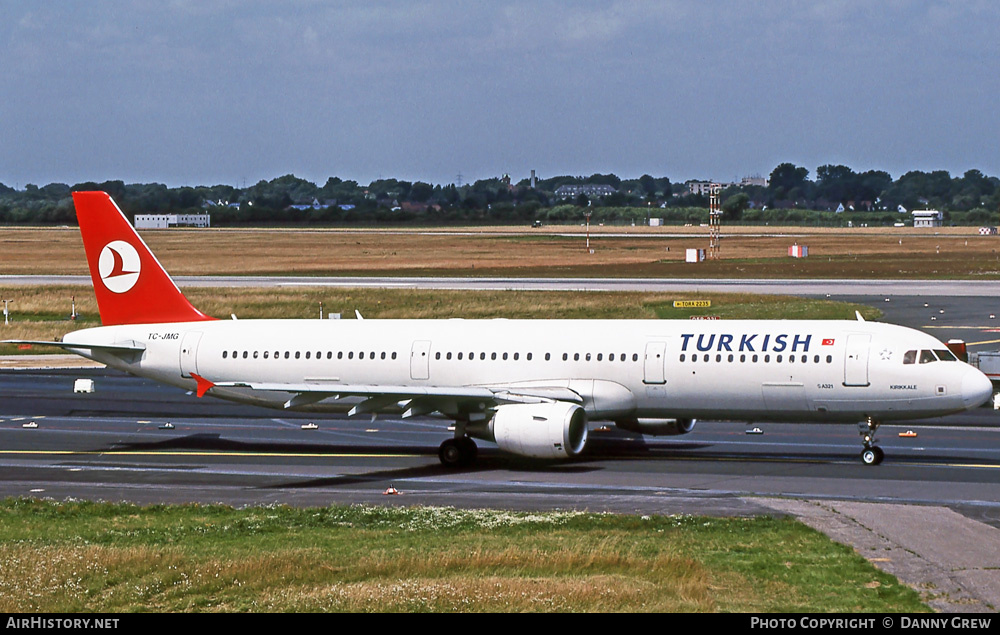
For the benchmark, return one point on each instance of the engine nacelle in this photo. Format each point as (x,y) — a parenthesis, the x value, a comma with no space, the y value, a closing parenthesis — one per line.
(657,427)
(543,431)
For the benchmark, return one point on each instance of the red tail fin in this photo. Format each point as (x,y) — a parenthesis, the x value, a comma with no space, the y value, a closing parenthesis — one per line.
(131,285)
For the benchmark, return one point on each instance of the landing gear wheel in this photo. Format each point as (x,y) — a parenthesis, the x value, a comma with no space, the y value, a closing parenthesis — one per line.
(459,452)
(872,455)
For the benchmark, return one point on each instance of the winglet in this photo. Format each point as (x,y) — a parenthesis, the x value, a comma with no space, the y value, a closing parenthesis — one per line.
(203,384)
(130,284)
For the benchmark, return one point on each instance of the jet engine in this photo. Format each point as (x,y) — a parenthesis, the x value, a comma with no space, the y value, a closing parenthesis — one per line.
(657,427)
(556,430)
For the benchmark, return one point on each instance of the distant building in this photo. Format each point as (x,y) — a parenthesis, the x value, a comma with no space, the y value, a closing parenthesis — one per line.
(756,179)
(702,188)
(927,218)
(588,190)
(164,221)
(316,204)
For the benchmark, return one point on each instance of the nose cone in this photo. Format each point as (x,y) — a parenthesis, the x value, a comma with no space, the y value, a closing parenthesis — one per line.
(976,388)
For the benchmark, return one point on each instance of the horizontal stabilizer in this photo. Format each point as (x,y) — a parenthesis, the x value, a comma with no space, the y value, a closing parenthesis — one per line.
(131,347)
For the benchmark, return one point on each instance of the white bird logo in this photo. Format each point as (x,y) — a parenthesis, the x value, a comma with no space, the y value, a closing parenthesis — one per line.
(119,266)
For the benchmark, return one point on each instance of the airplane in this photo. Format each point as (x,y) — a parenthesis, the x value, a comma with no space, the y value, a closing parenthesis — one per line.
(530,386)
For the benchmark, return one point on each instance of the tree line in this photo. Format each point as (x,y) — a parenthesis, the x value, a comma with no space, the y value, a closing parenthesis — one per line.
(837,195)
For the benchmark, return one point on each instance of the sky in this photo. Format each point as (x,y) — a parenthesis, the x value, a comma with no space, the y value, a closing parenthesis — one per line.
(205,92)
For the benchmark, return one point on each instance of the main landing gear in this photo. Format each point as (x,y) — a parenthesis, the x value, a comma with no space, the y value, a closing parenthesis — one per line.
(872,454)
(458,452)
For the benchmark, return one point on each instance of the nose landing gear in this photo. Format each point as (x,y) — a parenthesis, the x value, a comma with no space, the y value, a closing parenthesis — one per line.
(871,454)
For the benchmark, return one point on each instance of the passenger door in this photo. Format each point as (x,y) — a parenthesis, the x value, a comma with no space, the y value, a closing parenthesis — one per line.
(856,360)
(653,372)
(420,360)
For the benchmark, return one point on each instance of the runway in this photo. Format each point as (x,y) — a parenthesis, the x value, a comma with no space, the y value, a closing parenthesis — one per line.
(114,444)
(872,288)
(109,445)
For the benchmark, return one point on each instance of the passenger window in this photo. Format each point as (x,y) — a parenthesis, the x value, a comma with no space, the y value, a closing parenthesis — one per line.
(548,356)
(565,356)
(926,357)
(436,355)
(635,357)
(265,354)
(682,357)
(600,357)
(307,354)
(394,356)
(225,354)
(528,357)
(350,354)
(448,356)
(460,356)
(516,355)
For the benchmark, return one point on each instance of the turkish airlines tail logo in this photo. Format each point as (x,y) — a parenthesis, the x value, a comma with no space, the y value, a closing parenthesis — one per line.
(119,266)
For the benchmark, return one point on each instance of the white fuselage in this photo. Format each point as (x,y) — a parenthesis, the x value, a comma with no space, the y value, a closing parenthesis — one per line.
(738,370)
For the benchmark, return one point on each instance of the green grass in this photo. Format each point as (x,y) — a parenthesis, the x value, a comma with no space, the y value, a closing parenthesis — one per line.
(82,556)
(41,311)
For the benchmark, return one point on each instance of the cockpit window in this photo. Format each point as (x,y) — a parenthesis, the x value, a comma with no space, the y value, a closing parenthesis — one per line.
(927,357)
(945,355)
(910,357)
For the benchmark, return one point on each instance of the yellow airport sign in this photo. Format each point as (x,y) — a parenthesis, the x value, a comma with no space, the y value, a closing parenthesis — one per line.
(692,304)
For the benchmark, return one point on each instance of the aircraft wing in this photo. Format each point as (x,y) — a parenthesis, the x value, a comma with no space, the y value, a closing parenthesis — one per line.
(413,400)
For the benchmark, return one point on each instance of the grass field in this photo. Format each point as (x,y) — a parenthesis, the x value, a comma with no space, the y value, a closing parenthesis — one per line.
(618,252)
(83,557)
(41,312)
